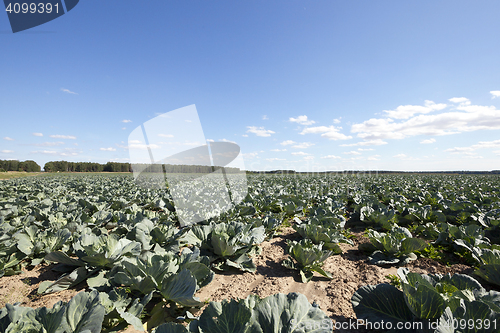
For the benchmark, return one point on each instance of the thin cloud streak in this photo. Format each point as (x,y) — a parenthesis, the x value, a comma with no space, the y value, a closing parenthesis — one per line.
(329,132)
(68,91)
(259,131)
(68,137)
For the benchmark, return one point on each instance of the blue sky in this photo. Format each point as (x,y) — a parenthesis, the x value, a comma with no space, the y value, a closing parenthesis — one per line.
(304,85)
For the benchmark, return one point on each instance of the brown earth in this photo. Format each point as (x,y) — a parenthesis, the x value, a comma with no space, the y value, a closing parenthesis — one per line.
(350,271)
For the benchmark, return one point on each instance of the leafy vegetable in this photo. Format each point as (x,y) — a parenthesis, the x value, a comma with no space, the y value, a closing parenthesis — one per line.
(122,310)
(227,244)
(274,314)
(95,253)
(83,313)
(309,258)
(428,298)
(35,243)
(490,265)
(329,235)
(394,247)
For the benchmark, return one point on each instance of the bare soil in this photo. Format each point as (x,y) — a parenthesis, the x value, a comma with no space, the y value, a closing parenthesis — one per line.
(350,271)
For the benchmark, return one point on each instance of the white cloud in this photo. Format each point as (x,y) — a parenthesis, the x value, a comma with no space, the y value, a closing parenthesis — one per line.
(402,156)
(301,153)
(278,149)
(497,152)
(249,156)
(47,152)
(66,152)
(166,135)
(474,118)
(69,137)
(480,145)
(49,144)
(264,117)
(37,134)
(331,156)
(8,139)
(309,158)
(365,149)
(303,145)
(226,140)
(317,130)
(245,135)
(337,120)
(330,132)
(461,100)
(302,120)
(428,141)
(7,151)
(124,128)
(495,93)
(352,152)
(259,131)
(275,159)
(69,91)
(376,142)
(287,142)
(407,111)
(126,121)
(374,158)
(108,149)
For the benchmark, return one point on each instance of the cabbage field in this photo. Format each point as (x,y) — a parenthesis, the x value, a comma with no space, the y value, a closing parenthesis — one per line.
(120,246)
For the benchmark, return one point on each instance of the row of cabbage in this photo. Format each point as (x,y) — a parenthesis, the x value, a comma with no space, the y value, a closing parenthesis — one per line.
(88,310)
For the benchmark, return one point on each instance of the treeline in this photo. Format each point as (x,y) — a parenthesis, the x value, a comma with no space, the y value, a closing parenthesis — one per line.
(178,168)
(64,166)
(15,165)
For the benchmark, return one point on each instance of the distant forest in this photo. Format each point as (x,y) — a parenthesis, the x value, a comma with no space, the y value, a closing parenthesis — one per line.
(174,168)
(65,166)
(14,165)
